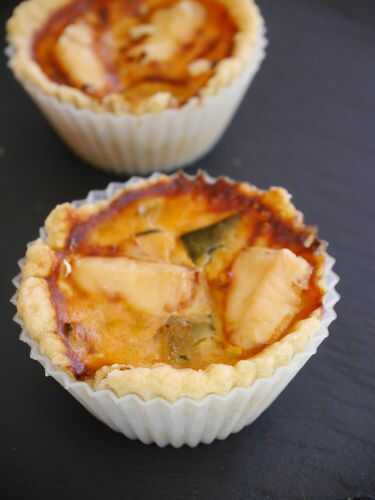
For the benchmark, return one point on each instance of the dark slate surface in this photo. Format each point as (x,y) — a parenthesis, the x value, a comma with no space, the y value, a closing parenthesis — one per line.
(308,124)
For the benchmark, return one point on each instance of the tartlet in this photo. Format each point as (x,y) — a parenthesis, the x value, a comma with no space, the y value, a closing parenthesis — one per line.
(175,287)
(145,79)
(194,405)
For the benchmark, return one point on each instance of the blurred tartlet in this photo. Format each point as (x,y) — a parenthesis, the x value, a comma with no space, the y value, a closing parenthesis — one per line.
(152,83)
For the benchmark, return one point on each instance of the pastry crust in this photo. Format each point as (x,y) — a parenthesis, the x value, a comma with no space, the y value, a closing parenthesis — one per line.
(36,310)
(30,15)
(161,380)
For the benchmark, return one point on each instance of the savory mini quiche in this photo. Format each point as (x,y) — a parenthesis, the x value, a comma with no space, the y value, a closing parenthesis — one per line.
(175,287)
(132,55)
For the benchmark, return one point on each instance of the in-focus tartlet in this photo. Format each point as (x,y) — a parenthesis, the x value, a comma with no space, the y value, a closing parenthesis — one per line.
(134,55)
(175,287)
(135,86)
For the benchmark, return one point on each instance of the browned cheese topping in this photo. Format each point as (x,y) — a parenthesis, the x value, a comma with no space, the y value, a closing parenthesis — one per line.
(135,48)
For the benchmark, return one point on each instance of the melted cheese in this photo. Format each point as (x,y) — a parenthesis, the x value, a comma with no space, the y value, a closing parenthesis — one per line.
(265,295)
(169,30)
(153,288)
(74,51)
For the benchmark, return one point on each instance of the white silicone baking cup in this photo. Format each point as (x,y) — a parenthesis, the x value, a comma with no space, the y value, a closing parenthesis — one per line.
(130,144)
(186,421)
